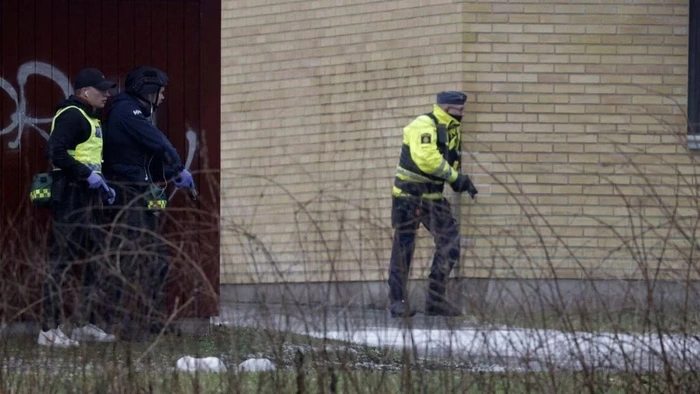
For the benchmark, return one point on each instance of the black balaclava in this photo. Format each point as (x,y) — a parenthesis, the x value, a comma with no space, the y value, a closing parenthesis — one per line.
(452,97)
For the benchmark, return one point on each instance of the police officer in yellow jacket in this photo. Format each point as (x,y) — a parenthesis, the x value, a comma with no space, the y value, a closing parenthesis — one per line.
(78,192)
(429,158)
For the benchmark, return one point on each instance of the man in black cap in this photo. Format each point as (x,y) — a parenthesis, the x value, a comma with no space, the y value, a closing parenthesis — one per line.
(78,192)
(141,161)
(429,157)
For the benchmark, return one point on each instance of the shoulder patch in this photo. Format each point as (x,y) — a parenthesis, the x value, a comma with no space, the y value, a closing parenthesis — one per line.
(425,138)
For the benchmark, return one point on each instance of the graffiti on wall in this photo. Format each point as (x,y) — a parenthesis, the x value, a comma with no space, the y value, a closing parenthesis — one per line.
(191,149)
(191,146)
(20,119)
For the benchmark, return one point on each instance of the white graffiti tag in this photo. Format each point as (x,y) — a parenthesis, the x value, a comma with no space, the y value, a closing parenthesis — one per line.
(191,149)
(191,140)
(191,146)
(20,119)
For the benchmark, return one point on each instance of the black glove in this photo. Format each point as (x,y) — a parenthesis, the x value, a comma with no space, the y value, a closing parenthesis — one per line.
(464,184)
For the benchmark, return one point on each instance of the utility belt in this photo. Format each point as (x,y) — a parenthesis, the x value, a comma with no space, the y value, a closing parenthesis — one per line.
(47,188)
(418,188)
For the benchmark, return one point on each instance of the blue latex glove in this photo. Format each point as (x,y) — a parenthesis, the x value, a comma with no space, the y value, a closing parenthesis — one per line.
(95,181)
(184,180)
(112,196)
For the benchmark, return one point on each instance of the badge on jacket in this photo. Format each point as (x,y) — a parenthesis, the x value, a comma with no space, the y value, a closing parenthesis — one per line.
(425,138)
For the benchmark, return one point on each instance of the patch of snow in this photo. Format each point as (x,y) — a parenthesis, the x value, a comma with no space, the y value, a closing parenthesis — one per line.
(550,347)
(256,365)
(206,364)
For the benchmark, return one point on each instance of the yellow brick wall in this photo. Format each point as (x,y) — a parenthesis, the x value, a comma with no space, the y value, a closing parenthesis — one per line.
(574,127)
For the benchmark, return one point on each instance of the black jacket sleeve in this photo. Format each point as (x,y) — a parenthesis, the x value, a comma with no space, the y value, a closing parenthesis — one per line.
(147,134)
(70,129)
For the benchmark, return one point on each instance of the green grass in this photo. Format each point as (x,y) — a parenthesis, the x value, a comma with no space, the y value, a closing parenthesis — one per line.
(305,365)
(92,367)
(324,380)
(232,345)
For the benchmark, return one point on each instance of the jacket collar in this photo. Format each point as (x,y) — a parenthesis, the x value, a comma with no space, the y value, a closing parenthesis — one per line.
(74,100)
(443,117)
(145,109)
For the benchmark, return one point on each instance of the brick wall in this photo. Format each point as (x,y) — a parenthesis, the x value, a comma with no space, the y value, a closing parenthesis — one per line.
(574,134)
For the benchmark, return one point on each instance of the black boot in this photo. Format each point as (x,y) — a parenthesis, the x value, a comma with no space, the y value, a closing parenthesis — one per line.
(436,304)
(401,309)
(441,308)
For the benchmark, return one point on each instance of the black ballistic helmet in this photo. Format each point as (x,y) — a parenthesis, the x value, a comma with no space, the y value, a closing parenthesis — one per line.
(144,80)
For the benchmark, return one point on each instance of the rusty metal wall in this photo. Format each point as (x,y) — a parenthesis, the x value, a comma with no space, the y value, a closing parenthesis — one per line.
(43,44)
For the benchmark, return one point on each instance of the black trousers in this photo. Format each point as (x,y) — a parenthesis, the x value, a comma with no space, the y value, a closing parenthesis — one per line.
(139,260)
(406,216)
(76,239)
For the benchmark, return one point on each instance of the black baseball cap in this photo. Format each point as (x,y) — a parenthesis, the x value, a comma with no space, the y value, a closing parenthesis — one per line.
(92,77)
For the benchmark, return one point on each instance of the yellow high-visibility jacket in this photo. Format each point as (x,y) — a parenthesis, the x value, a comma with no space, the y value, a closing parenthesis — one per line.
(429,156)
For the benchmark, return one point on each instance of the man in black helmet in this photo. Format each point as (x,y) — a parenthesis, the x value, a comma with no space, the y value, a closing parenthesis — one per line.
(135,149)
(141,161)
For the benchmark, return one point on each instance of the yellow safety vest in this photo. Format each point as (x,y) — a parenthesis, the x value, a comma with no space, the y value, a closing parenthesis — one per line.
(88,152)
